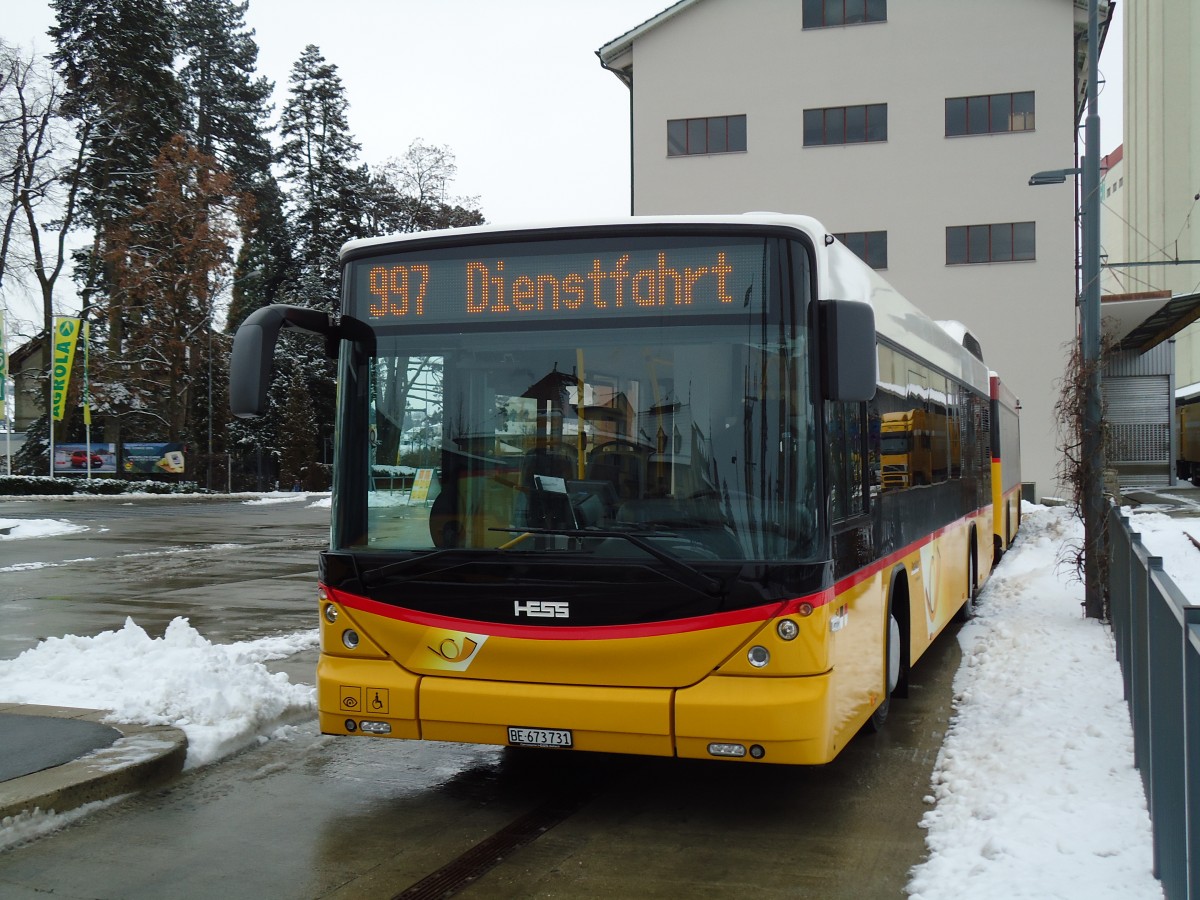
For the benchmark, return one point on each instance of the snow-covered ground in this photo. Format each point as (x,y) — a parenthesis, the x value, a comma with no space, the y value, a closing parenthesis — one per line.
(1034,792)
(1033,795)
(221,695)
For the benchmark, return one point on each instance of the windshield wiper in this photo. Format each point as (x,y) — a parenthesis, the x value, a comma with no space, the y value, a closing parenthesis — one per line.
(373,576)
(687,575)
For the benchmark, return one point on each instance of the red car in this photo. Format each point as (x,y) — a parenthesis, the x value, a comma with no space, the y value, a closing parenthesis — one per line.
(79,460)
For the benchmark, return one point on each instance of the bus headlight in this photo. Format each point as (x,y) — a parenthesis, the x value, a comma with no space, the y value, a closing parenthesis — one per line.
(331,613)
(350,638)
(787,629)
(758,656)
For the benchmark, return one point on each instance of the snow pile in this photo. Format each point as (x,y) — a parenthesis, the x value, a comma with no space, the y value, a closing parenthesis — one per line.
(21,529)
(275,497)
(221,695)
(1171,538)
(1035,790)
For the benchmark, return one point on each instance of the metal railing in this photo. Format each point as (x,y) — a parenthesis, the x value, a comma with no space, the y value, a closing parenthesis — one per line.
(1157,633)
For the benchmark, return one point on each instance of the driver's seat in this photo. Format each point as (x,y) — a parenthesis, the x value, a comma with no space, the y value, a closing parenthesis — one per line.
(623,469)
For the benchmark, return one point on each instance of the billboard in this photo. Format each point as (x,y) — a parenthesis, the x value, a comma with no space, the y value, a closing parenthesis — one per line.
(152,459)
(72,459)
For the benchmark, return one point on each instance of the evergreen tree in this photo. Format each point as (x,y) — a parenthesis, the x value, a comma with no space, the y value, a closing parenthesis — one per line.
(227,107)
(298,425)
(227,118)
(325,191)
(116,60)
(265,266)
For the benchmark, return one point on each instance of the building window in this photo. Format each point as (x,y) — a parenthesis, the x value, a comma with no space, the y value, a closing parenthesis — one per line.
(716,134)
(870,246)
(845,125)
(1004,242)
(826,13)
(989,114)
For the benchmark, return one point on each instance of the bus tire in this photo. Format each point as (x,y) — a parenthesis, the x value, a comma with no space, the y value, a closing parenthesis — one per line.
(893,664)
(967,610)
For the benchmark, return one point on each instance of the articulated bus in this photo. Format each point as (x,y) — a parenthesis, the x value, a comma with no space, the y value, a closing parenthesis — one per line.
(648,513)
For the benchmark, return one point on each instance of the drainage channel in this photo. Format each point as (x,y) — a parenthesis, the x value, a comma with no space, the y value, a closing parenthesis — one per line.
(462,872)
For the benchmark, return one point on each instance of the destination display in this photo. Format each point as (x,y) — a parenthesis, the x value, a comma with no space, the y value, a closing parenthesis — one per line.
(618,284)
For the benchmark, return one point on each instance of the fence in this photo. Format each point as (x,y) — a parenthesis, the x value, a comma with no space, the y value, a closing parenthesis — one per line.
(1157,635)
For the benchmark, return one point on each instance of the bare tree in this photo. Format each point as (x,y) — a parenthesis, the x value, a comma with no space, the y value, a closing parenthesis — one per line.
(40,173)
(423,174)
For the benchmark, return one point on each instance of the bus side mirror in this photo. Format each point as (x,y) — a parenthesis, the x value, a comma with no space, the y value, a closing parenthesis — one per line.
(254,351)
(848,359)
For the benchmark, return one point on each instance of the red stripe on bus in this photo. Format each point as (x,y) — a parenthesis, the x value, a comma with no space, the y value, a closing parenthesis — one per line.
(579,633)
(865,574)
(762,613)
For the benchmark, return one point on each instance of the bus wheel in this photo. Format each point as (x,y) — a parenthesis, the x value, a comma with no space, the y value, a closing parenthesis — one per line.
(967,610)
(892,652)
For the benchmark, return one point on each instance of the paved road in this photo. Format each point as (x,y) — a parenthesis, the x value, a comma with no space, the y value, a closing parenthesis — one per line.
(236,570)
(307,816)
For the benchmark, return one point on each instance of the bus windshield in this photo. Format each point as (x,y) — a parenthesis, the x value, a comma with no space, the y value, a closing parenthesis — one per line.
(691,435)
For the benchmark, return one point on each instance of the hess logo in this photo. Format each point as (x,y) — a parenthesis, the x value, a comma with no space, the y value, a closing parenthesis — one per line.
(542,609)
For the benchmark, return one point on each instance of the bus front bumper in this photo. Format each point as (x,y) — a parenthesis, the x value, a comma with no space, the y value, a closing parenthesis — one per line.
(769,719)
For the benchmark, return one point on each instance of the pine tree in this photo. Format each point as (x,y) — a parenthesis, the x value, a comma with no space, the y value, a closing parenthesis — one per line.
(116,60)
(298,426)
(228,108)
(325,191)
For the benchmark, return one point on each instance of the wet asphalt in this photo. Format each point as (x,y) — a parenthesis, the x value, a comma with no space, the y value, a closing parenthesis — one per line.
(304,815)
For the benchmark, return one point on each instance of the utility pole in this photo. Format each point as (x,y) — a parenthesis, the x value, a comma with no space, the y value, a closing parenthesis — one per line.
(1092,445)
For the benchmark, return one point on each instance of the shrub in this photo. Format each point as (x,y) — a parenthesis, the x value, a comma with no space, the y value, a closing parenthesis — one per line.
(34,485)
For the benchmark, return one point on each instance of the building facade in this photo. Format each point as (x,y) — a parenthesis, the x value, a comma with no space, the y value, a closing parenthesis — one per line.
(1159,204)
(910,129)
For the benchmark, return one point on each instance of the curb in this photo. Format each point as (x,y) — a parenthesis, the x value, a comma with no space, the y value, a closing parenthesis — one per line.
(144,756)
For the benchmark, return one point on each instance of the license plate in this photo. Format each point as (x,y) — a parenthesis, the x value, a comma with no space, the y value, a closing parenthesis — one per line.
(539,737)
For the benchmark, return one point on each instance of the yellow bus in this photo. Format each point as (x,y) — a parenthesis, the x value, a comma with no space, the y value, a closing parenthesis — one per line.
(1006,464)
(656,523)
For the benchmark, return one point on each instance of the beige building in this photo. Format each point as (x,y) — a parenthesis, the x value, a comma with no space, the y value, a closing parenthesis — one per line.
(910,129)
(1112,227)
(1158,196)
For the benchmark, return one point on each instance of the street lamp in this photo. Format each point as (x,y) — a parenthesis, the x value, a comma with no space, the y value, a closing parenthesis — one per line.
(1052,176)
(1091,447)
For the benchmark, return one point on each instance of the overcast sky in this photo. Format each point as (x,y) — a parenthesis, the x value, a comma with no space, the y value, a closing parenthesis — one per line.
(539,129)
(513,88)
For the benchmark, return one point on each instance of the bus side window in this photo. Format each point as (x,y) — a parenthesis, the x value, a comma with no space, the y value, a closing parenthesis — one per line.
(846,440)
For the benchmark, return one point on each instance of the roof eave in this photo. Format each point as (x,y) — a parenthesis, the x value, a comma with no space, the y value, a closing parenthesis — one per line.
(617,54)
